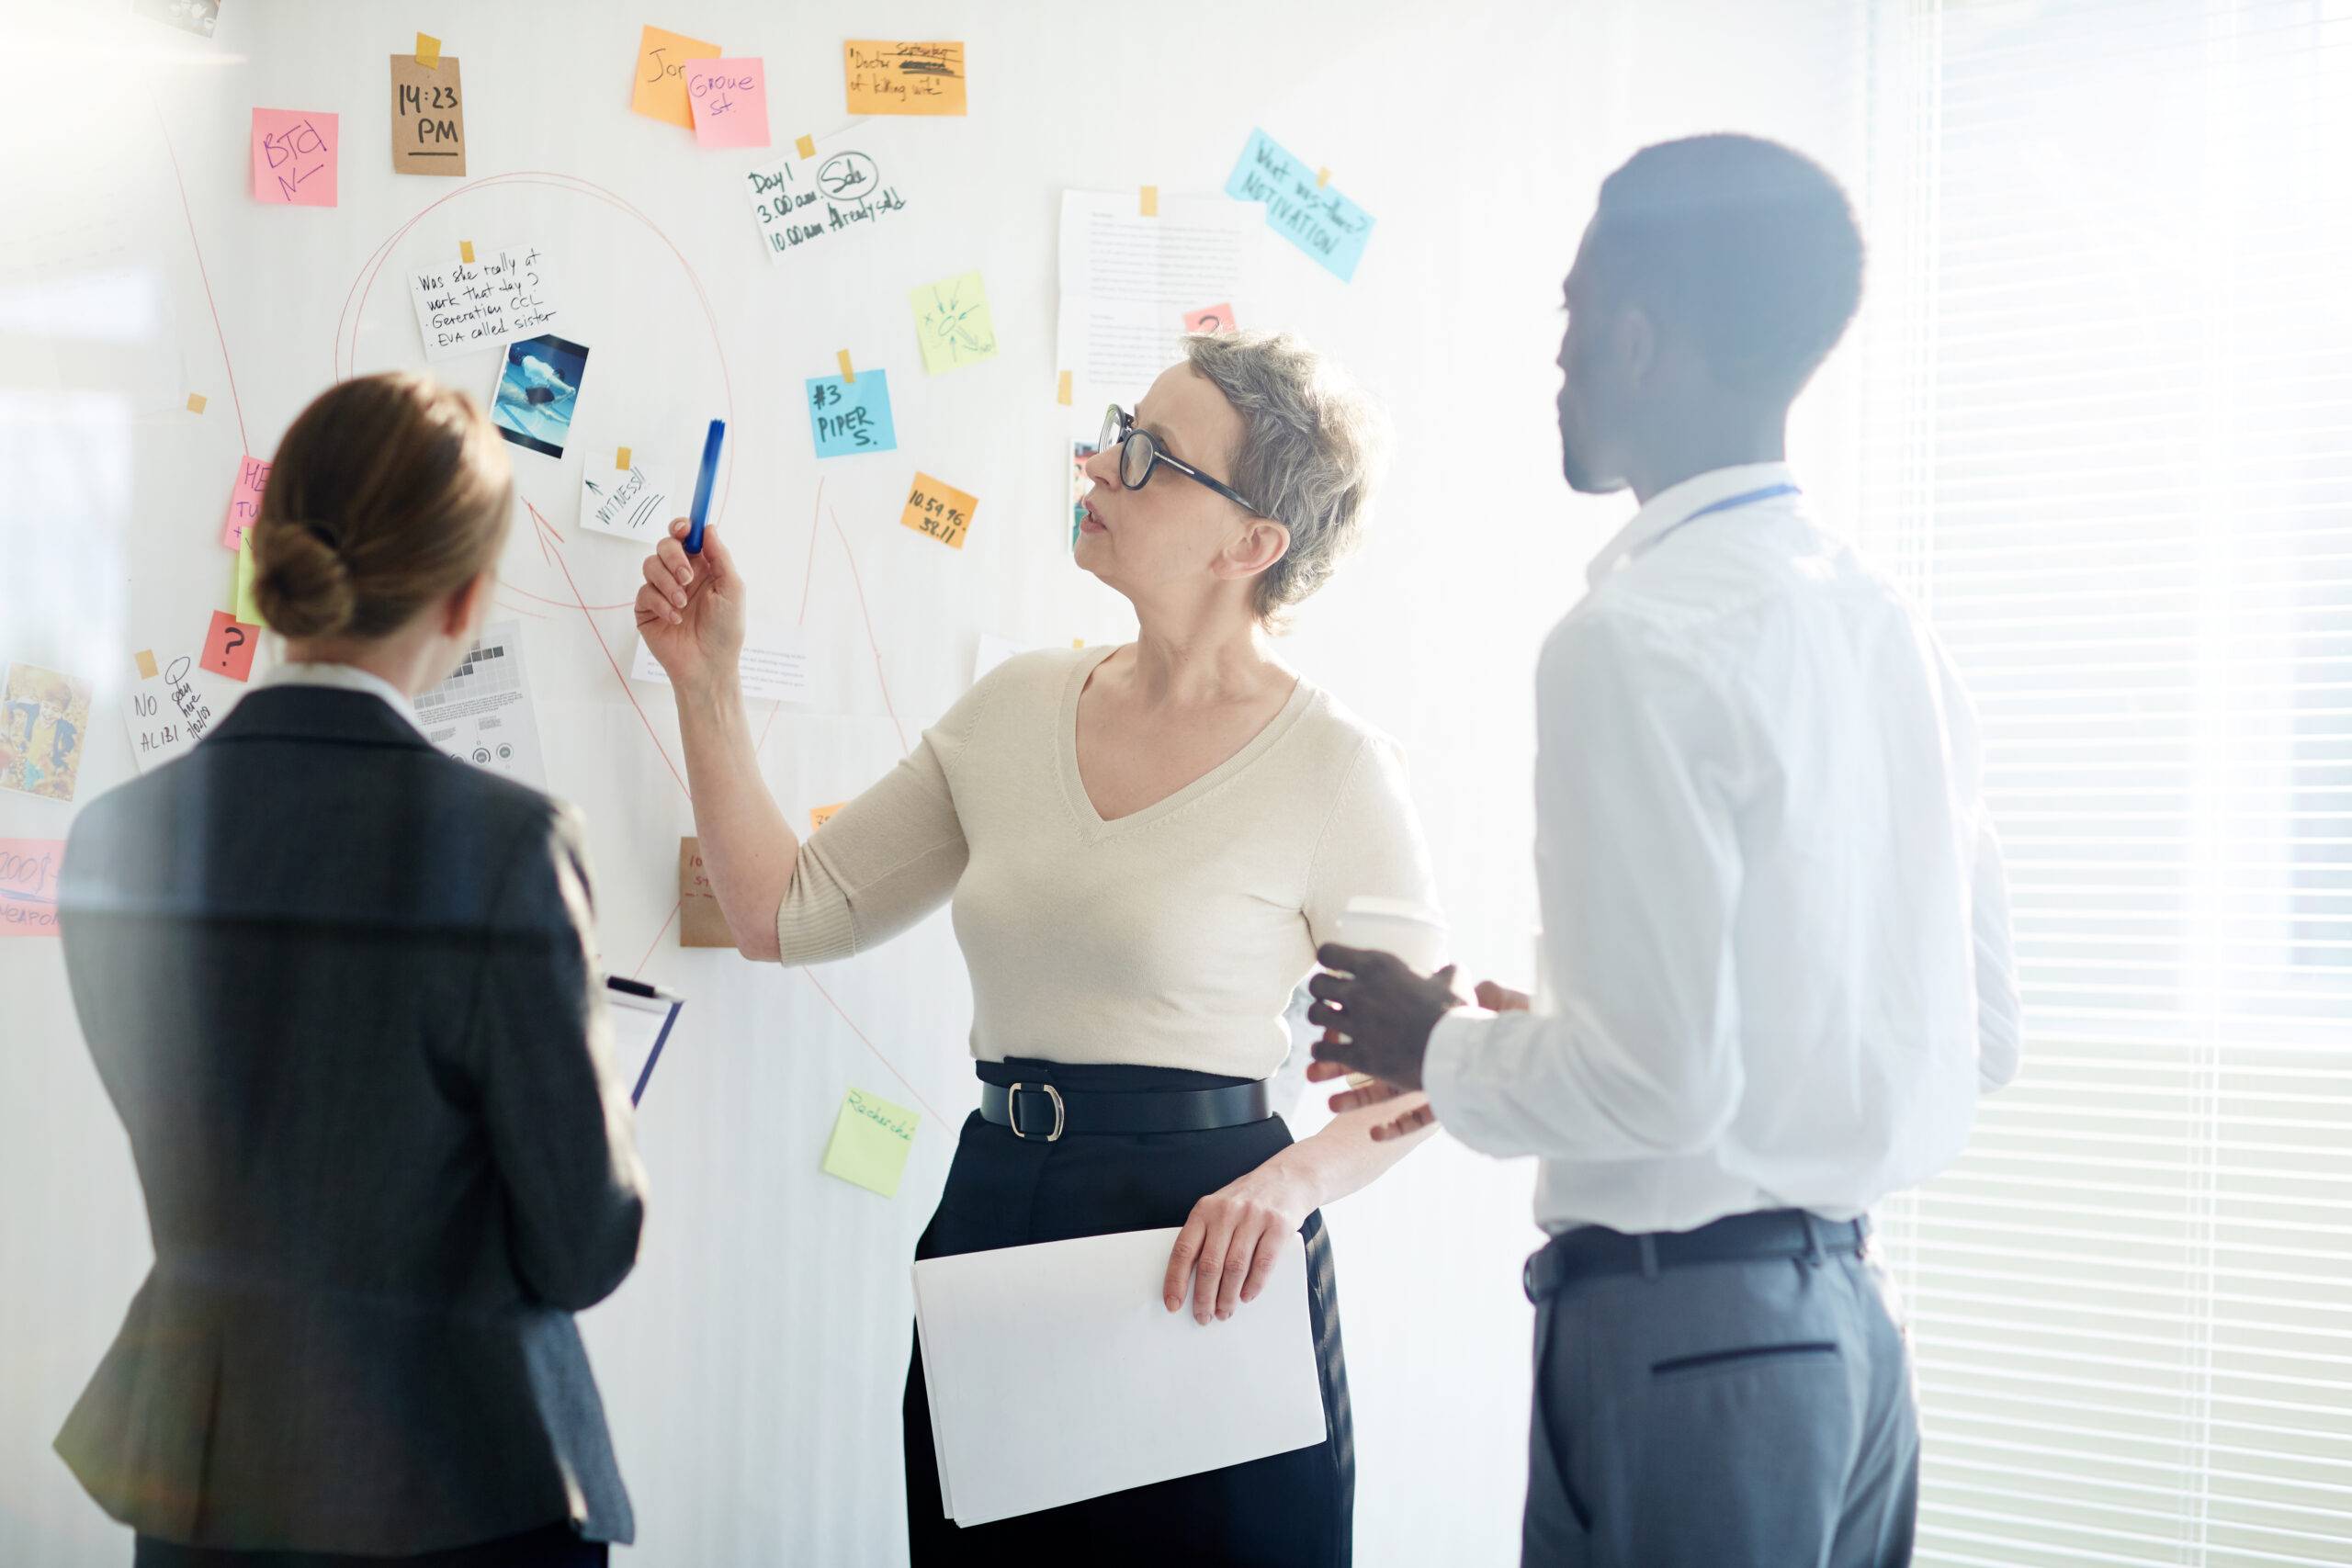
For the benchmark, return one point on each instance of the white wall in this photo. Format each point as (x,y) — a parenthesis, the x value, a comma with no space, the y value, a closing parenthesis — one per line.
(751,1366)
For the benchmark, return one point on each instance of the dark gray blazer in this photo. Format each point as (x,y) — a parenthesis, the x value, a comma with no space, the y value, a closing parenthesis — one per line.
(340,988)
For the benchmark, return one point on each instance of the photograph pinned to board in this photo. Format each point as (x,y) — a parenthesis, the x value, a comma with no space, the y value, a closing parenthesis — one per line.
(1081,449)
(538,391)
(44,730)
(854,184)
(483,712)
(953,326)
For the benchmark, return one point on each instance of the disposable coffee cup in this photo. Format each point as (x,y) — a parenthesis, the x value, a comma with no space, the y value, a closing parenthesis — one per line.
(1408,931)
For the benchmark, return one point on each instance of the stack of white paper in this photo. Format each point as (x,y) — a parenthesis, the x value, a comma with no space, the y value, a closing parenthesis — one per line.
(1056,1374)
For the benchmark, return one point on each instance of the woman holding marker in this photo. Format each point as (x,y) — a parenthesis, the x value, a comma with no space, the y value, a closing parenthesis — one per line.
(1143,846)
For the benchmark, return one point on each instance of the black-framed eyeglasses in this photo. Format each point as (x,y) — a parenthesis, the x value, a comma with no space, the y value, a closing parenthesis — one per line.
(1140,452)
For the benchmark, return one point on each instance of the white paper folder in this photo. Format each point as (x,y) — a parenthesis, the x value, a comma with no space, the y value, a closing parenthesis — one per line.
(1056,1374)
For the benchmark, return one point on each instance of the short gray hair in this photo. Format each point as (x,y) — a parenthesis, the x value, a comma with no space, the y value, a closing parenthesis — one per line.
(1312,445)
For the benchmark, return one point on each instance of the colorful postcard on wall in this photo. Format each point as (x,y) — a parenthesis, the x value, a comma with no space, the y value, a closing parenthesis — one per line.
(28,872)
(538,388)
(170,707)
(44,730)
(1080,483)
(294,157)
(428,116)
(892,76)
(953,326)
(196,16)
(1316,218)
(848,417)
(939,510)
(871,1140)
(629,504)
(244,501)
(730,100)
(658,87)
(505,293)
(851,185)
(483,712)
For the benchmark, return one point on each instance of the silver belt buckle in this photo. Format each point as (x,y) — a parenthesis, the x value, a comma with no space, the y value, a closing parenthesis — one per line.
(1012,1109)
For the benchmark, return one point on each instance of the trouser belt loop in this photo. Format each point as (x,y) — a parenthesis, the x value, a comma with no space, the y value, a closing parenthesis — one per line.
(1649,1256)
(1813,1252)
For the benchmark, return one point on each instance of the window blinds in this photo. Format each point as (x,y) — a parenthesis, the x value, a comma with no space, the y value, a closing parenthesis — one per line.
(2108,372)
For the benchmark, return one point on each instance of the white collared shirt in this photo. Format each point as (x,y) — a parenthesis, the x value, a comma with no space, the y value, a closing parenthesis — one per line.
(343,677)
(1776,935)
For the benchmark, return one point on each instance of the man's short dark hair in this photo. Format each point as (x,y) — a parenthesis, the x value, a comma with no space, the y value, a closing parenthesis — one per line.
(1749,247)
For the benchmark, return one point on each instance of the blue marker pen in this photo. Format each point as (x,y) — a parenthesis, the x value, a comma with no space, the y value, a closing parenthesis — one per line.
(702,485)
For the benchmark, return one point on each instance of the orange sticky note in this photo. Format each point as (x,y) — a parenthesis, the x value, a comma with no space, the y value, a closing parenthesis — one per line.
(939,510)
(428,51)
(1061,393)
(229,646)
(1150,201)
(895,77)
(660,85)
(821,815)
(294,158)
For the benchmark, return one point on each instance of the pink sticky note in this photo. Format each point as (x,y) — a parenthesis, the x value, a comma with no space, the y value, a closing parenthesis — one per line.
(730,100)
(229,646)
(28,870)
(1209,319)
(244,501)
(294,158)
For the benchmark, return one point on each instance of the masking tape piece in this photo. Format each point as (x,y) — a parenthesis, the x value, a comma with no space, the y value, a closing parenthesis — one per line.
(620,457)
(841,356)
(1322,178)
(146,659)
(1061,395)
(428,51)
(465,250)
(196,402)
(805,146)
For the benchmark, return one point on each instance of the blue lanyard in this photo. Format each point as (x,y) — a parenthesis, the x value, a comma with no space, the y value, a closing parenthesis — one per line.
(1746,498)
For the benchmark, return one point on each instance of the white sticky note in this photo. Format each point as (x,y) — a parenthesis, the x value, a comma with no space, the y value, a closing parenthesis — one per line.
(630,504)
(774,666)
(168,711)
(505,294)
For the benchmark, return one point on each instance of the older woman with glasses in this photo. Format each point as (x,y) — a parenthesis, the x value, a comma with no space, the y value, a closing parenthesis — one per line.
(1143,846)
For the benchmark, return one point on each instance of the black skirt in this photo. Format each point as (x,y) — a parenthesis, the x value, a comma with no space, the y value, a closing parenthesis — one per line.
(1290,1508)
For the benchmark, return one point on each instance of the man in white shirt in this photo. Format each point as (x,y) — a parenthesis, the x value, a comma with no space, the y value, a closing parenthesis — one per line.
(1776,929)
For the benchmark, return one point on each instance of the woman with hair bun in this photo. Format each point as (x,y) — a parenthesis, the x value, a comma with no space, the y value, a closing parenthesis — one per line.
(343,991)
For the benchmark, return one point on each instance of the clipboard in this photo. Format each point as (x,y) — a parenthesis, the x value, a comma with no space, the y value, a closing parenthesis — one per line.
(642,1017)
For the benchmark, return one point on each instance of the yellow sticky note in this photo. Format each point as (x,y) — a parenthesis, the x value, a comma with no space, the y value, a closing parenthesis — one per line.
(196,402)
(952,322)
(1149,202)
(244,608)
(896,76)
(428,51)
(1061,393)
(870,1143)
(841,358)
(466,250)
(805,146)
(660,85)
(145,659)
(821,815)
(621,459)
(939,510)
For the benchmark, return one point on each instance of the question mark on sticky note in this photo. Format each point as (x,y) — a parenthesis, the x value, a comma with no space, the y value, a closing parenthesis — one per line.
(229,646)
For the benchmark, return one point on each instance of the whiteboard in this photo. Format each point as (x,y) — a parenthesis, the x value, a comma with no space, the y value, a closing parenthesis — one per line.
(752,1367)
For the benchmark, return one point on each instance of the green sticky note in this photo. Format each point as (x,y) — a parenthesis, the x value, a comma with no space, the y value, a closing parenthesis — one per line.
(244,608)
(871,1137)
(952,322)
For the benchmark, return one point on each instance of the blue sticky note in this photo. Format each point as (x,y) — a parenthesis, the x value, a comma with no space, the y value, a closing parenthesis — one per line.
(850,417)
(1316,218)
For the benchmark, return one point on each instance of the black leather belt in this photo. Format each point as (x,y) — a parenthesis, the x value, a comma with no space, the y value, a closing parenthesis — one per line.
(1044,1112)
(1594,1250)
